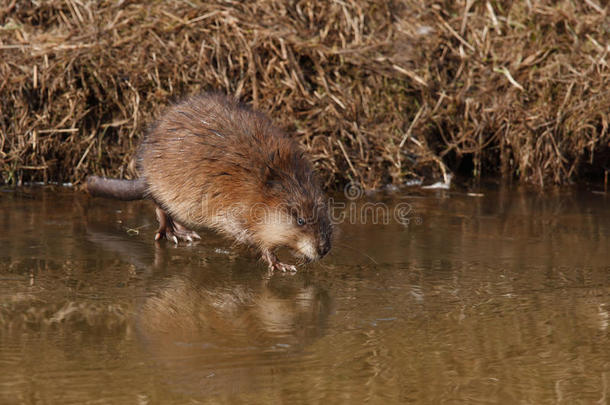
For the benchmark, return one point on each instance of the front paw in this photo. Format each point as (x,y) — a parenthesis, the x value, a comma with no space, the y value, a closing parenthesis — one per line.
(275,264)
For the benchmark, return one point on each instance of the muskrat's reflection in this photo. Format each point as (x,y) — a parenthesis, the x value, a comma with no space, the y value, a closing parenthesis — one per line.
(232,336)
(213,323)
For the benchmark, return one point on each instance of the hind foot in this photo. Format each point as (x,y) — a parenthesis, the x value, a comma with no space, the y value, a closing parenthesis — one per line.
(275,264)
(172,230)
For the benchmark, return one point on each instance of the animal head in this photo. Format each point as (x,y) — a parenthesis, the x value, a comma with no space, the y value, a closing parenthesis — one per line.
(296,213)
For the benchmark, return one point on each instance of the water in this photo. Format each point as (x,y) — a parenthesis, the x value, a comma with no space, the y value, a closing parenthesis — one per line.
(500,298)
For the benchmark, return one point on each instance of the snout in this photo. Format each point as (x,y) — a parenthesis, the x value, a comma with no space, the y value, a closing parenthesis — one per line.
(323,247)
(312,250)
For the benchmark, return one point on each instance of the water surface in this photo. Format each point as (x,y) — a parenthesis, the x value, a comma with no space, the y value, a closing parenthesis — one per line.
(499,298)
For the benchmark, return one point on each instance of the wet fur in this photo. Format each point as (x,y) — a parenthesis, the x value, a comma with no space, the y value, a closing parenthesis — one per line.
(212,162)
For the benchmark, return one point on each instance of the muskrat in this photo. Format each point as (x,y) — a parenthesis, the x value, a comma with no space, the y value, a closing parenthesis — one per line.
(211,162)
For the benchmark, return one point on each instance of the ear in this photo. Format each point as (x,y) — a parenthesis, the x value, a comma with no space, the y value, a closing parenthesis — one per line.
(272,180)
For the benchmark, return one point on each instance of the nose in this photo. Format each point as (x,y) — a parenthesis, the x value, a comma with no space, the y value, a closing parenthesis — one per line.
(323,247)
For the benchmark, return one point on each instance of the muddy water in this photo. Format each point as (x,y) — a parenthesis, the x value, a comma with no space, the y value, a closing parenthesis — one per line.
(500,298)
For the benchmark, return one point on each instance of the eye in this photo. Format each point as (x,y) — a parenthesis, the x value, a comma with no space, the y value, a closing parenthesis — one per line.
(300,221)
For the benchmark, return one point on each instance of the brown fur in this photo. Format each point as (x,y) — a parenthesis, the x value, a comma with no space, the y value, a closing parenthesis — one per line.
(212,162)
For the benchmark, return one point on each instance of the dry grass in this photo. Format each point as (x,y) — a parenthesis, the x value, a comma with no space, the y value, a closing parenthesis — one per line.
(378,92)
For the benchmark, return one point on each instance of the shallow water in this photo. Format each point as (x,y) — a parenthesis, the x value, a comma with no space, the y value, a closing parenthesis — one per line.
(500,298)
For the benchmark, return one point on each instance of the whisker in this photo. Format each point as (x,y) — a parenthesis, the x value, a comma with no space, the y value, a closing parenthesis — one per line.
(324,266)
(358,251)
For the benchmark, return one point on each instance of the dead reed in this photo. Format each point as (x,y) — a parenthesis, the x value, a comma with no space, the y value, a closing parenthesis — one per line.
(378,92)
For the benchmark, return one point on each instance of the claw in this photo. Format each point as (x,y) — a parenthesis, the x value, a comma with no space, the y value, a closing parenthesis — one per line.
(275,264)
(287,267)
(172,230)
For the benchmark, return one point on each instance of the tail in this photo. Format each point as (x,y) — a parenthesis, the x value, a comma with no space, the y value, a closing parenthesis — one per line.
(126,190)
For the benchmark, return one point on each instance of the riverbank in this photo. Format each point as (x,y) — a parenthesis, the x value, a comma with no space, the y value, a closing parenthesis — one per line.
(377,93)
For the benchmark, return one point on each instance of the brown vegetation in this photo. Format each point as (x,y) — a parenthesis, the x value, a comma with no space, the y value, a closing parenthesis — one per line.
(378,92)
